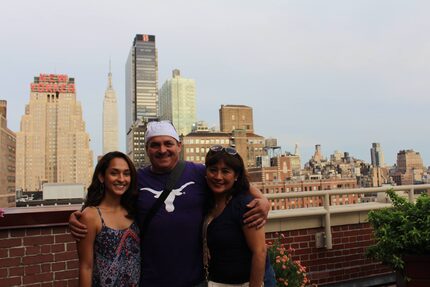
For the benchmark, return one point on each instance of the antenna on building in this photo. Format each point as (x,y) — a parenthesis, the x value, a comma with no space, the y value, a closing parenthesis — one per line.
(297,149)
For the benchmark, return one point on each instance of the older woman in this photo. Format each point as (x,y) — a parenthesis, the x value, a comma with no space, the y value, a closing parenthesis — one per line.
(235,255)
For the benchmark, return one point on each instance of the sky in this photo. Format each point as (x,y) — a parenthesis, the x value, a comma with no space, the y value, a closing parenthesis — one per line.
(339,73)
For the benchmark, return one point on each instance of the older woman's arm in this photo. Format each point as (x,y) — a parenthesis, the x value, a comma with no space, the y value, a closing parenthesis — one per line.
(255,238)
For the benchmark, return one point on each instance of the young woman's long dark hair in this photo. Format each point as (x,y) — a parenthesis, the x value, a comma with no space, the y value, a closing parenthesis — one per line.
(233,161)
(96,191)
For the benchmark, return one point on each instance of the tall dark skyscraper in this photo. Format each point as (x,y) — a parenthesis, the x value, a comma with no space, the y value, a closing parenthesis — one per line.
(141,89)
(377,155)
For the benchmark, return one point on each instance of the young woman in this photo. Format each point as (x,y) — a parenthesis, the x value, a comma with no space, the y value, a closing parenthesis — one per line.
(110,253)
(235,254)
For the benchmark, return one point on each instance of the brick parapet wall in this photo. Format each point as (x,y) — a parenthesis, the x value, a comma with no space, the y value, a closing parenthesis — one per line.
(36,248)
(38,257)
(42,253)
(344,262)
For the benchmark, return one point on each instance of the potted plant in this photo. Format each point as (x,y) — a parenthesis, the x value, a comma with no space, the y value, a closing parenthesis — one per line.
(402,234)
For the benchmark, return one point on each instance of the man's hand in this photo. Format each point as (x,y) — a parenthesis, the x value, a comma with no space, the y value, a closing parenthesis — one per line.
(257,216)
(77,229)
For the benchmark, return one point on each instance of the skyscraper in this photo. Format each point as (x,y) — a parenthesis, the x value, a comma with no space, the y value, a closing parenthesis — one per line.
(52,145)
(7,160)
(377,155)
(178,102)
(110,118)
(141,89)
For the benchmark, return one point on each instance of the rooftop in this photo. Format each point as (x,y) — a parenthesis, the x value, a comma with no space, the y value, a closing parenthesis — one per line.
(36,248)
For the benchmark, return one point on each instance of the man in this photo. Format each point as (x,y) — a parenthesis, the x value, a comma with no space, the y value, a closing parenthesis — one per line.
(172,243)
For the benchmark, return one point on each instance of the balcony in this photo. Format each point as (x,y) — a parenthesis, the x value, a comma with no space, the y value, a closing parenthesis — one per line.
(36,248)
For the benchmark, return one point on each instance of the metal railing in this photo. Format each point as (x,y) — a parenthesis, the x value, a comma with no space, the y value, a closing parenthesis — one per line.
(326,196)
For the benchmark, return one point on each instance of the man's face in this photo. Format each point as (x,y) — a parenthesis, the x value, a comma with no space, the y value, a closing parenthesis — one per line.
(163,152)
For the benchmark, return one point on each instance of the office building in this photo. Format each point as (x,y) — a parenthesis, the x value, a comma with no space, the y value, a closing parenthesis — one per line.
(141,87)
(110,118)
(7,160)
(52,145)
(196,144)
(410,168)
(136,143)
(178,102)
(234,117)
(377,155)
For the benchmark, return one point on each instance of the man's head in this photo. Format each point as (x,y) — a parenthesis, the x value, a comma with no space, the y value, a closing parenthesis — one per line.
(162,146)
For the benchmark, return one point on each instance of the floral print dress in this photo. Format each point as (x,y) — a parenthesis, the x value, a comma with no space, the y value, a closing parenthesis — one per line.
(116,256)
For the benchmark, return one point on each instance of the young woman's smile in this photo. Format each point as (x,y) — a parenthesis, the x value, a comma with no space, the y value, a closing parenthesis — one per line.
(116,179)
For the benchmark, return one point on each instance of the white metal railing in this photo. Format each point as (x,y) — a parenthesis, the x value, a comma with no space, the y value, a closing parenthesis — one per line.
(326,196)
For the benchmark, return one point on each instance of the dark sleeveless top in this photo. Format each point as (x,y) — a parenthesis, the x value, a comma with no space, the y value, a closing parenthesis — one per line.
(116,256)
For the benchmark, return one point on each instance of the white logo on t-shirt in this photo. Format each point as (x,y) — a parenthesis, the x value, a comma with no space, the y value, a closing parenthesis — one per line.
(171,197)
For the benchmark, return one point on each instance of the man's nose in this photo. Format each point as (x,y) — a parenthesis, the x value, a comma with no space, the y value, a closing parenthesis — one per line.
(163,149)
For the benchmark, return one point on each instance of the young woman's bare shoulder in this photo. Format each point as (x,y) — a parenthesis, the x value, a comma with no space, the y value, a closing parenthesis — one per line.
(90,215)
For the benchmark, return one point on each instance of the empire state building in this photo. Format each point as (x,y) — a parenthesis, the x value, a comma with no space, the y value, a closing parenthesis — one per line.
(110,118)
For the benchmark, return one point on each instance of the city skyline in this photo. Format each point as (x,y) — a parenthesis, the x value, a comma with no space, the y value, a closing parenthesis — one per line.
(342,74)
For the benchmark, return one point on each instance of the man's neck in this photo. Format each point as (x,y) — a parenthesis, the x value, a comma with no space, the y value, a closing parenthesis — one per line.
(162,170)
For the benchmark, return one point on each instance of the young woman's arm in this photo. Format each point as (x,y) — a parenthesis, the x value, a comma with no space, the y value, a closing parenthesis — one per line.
(256,240)
(91,219)
(260,207)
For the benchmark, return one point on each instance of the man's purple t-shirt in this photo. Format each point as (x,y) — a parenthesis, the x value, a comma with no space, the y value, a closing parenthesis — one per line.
(172,245)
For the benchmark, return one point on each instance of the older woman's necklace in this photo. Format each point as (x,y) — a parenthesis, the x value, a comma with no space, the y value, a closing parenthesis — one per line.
(219,207)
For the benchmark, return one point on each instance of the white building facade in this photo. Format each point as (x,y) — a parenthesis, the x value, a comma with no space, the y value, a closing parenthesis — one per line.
(178,102)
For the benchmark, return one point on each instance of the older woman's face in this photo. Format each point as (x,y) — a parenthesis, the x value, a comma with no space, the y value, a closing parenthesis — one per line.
(220,177)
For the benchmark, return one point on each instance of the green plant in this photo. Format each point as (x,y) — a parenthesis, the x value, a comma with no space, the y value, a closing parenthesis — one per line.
(400,230)
(288,272)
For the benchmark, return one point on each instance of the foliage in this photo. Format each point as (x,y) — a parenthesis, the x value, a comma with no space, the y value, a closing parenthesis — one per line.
(400,230)
(288,272)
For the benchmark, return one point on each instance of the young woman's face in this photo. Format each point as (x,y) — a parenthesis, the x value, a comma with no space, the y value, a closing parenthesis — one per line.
(220,177)
(117,177)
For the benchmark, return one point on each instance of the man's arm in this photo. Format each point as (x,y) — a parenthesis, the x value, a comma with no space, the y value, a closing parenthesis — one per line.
(77,229)
(260,207)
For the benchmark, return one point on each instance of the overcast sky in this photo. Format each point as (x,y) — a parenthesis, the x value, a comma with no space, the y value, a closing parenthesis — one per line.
(342,74)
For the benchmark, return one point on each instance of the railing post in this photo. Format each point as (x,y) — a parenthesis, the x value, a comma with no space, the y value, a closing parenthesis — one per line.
(411,195)
(328,238)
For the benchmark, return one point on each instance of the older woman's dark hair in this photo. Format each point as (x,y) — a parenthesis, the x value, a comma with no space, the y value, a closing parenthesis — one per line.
(96,191)
(235,162)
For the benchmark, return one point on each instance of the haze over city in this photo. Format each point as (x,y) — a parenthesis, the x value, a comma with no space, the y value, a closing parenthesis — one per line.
(342,74)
